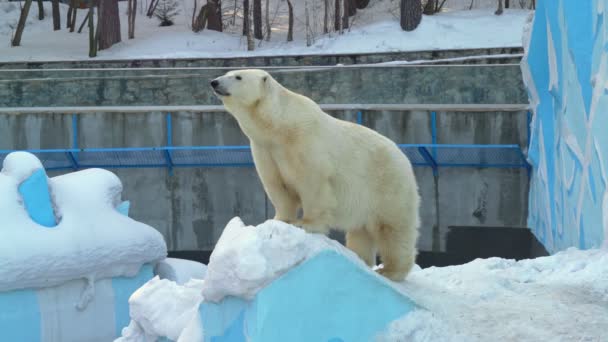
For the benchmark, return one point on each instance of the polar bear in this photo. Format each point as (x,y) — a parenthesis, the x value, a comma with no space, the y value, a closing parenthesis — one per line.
(341,175)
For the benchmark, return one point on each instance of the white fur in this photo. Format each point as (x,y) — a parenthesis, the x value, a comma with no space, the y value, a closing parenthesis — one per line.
(342,175)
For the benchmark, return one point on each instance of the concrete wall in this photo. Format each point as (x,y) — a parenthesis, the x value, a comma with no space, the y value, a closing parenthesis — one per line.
(389,84)
(303,60)
(192,206)
(565,70)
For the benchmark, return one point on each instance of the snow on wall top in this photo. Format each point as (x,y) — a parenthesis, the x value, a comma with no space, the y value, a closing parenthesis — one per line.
(92,239)
(565,70)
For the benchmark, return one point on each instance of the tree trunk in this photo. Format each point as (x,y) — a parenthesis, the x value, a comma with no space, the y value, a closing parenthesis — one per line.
(361,4)
(325,16)
(40,10)
(92,37)
(345,16)
(109,24)
(411,14)
(250,41)
(132,33)
(69,16)
(84,21)
(201,19)
(151,8)
(290,29)
(257,19)
(214,15)
(73,23)
(131,13)
(499,10)
(429,7)
(349,11)
(56,16)
(337,16)
(245,17)
(268,28)
(350,7)
(506,3)
(308,32)
(21,25)
(194,14)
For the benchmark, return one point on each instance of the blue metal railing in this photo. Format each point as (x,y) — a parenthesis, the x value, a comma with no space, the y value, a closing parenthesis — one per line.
(431,155)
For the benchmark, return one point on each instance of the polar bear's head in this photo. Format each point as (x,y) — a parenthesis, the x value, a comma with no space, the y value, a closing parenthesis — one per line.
(242,87)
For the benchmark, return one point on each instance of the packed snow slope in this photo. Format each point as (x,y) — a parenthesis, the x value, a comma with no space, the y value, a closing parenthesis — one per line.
(92,239)
(563,297)
(374,29)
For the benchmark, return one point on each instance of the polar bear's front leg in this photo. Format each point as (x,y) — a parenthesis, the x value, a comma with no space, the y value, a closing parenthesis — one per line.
(318,204)
(285,202)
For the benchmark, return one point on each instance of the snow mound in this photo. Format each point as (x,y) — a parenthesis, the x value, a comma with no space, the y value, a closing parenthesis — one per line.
(92,239)
(162,308)
(420,326)
(247,258)
(180,270)
(562,297)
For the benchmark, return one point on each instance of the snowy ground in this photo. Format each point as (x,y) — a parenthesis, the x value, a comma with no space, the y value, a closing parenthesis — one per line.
(563,297)
(374,29)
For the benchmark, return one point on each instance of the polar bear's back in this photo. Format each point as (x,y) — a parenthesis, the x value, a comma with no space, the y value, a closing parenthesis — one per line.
(371,172)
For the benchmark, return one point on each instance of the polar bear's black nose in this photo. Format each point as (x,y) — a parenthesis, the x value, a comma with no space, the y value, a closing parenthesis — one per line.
(214,83)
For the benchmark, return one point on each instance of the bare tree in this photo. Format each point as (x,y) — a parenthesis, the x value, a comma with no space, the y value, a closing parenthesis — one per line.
(56,16)
(250,41)
(200,22)
(361,4)
(349,11)
(40,10)
(308,32)
(84,21)
(290,28)
(268,28)
(109,24)
(257,19)
(72,17)
(326,16)
(131,12)
(92,35)
(151,8)
(246,25)
(21,24)
(337,16)
(433,6)
(500,8)
(214,16)
(345,16)
(411,14)
(71,9)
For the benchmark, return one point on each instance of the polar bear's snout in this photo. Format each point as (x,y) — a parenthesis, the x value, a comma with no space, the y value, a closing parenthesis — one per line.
(218,89)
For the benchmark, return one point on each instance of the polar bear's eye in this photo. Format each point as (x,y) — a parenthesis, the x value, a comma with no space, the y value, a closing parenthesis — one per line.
(239,78)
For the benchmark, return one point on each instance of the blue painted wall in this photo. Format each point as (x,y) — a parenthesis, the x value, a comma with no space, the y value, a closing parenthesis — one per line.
(565,71)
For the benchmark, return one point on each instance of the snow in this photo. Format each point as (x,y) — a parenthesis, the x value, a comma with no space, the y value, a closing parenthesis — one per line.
(374,29)
(246,258)
(180,270)
(162,308)
(20,165)
(92,239)
(562,297)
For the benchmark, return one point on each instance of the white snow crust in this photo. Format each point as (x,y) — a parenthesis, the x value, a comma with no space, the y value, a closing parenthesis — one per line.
(246,258)
(563,297)
(162,308)
(92,239)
